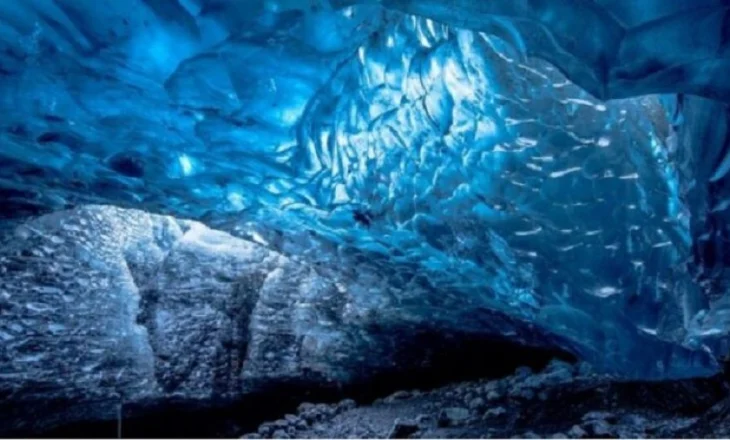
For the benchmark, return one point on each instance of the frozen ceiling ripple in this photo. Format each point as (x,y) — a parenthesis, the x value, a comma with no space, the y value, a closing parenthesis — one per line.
(462,146)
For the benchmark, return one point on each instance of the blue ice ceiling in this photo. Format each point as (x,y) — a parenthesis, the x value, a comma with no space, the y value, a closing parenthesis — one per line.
(461,144)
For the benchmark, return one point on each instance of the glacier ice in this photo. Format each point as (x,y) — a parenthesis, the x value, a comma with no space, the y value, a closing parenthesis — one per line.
(467,145)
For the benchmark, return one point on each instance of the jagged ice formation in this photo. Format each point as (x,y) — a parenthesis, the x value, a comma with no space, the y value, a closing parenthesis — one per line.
(561,162)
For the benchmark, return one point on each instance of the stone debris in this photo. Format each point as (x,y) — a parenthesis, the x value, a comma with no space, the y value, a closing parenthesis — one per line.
(557,402)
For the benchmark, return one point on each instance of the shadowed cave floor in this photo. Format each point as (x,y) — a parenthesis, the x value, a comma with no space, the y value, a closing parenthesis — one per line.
(561,401)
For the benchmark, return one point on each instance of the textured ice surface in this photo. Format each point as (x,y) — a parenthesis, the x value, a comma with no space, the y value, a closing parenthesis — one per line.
(458,144)
(612,48)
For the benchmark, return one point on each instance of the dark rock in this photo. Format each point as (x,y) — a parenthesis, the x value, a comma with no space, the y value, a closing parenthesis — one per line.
(558,435)
(431,406)
(492,385)
(280,434)
(346,405)
(252,436)
(310,416)
(599,429)
(558,371)
(461,389)
(279,424)
(328,410)
(495,414)
(305,407)
(452,417)
(577,432)
(403,429)
(531,435)
(599,415)
(532,382)
(493,396)
(477,404)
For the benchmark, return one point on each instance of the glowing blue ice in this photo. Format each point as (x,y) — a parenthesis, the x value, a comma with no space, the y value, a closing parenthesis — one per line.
(458,143)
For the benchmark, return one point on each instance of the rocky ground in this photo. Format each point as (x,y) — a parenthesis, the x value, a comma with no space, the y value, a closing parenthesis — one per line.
(561,401)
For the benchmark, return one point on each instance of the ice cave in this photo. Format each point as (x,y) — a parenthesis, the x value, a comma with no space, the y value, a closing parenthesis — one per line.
(365,218)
